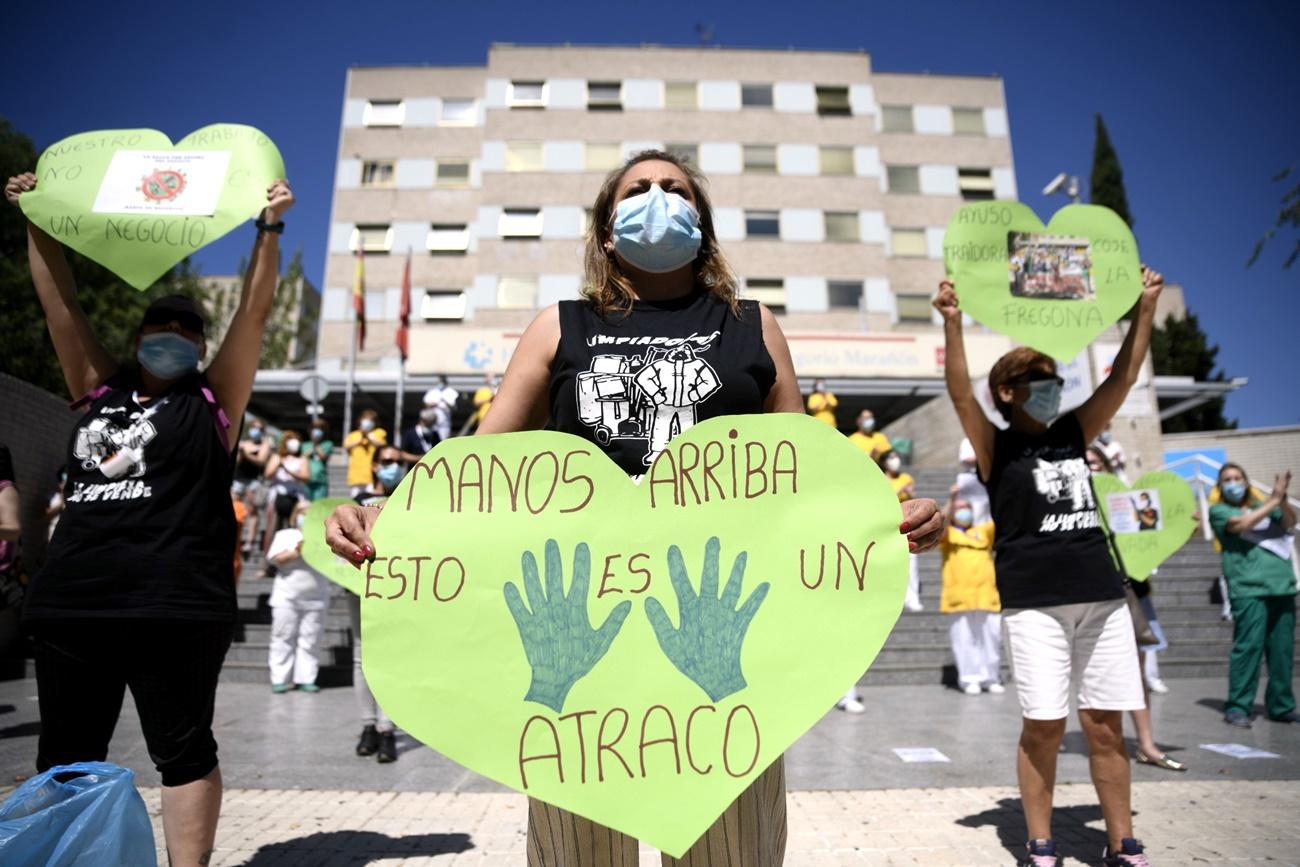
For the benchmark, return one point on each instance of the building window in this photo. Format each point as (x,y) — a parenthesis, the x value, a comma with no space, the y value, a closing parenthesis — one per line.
(528,94)
(913,308)
(756,96)
(523,156)
(836,160)
(680,96)
(968,121)
(377,173)
(603,156)
(903,179)
(521,223)
(458,112)
(896,118)
(517,291)
(760,159)
(833,101)
(372,237)
(384,112)
(768,291)
(762,224)
(976,184)
(842,226)
(907,242)
(605,95)
(842,294)
(448,238)
(688,152)
(443,304)
(452,173)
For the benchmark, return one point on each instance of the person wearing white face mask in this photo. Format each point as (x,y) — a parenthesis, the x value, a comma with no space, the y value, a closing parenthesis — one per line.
(1114,453)
(867,438)
(970,598)
(442,400)
(287,472)
(1064,611)
(138,585)
(361,446)
(298,602)
(659,341)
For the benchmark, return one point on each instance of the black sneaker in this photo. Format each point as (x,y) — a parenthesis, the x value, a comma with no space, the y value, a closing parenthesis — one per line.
(1040,853)
(1237,718)
(368,743)
(1129,855)
(387,748)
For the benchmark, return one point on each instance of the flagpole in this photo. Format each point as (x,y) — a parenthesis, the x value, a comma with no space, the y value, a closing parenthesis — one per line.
(401,393)
(352,377)
(404,315)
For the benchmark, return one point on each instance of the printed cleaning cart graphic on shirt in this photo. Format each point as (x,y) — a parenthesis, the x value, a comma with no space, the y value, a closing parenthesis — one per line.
(653,396)
(1066,482)
(114,445)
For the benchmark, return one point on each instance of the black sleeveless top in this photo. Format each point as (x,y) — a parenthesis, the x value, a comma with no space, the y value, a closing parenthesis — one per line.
(149,529)
(1050,545)
(631,382)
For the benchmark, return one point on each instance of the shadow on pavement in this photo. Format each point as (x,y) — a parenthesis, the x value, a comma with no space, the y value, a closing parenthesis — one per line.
(360,847)
(1075,839)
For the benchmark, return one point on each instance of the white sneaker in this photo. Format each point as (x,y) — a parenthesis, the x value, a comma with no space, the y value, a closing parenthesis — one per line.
(913,605)
(851,705)
(996,688)
(1158,686)
(971,689)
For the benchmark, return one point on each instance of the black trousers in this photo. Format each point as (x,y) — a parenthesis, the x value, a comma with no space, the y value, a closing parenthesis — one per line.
(84,666)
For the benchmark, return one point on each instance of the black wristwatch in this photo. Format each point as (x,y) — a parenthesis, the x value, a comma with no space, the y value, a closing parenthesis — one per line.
(263,226)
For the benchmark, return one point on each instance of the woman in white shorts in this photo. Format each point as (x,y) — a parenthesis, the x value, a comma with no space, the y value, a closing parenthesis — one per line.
(1062,594)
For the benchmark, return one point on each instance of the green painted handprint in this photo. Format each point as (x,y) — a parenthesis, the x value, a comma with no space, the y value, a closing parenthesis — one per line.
(706,646)
(559,641)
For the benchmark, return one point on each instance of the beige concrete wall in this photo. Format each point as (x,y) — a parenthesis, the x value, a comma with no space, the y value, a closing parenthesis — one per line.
(1263,452)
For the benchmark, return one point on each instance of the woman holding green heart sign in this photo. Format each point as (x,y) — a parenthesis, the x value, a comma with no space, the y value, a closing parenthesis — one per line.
(1063,603)
(138,588)
(659,342)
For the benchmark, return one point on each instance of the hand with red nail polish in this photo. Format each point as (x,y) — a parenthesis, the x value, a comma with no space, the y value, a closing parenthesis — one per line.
(922,523)
(347,532)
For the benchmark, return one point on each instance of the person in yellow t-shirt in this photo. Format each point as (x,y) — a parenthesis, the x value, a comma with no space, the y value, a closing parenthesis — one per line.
(970,596)
(822,403)
(483,398)
(361,446)
(867,438)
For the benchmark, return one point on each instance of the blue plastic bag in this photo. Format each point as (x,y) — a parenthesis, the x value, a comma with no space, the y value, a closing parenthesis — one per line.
(93,816)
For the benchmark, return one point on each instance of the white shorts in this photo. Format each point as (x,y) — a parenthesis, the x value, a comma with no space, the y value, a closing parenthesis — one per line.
(1093,641)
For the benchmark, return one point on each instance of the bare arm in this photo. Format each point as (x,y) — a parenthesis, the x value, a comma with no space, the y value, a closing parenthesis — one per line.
(1277,500)
(1098,410)
(520,403)
(85,362)
(231,372)
(784,395)
(10,526)
(979,430)
(271,466)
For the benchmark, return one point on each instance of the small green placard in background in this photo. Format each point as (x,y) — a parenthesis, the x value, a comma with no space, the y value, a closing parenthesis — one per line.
(1150,520)
(637,653)
(1055,287)
(137,204)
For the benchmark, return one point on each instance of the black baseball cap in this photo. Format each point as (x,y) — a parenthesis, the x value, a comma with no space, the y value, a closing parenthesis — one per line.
(181,309)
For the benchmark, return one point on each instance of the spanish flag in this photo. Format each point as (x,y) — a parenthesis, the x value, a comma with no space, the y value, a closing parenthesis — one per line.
(359,299)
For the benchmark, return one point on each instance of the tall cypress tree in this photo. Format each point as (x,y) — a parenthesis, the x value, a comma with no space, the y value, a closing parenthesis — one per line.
(1107,176)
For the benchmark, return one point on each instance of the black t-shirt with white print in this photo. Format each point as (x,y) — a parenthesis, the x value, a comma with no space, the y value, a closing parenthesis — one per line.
(1050,546)
(631,382)
(148,529)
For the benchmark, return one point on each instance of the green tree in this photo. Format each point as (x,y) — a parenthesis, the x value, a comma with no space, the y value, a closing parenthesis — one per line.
(1288,216)
(289,318)
(1180,348)
(113,307)
(1107,179)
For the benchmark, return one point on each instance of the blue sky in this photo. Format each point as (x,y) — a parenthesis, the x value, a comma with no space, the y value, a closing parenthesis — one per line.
(1199,98)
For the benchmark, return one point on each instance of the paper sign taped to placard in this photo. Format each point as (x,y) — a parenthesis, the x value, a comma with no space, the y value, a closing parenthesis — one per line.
(634,652)
(162,182)
(1150,521)
(1134,512)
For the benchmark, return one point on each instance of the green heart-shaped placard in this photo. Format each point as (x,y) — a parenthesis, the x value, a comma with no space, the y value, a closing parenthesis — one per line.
(318,554)
(137,204)
(1054,287)
(1149,520)
(637,653)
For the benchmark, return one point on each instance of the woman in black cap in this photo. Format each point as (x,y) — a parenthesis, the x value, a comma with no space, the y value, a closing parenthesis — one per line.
(137,590)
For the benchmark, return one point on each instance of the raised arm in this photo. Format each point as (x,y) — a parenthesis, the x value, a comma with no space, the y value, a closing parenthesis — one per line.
(85,362)
(979,430)
(520,403)
(1277,500)
(10,525)
(231,372)
(784,395)
(1098,410)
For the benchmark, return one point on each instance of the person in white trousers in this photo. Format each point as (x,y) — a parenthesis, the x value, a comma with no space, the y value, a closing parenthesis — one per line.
(970,597)
(298,603)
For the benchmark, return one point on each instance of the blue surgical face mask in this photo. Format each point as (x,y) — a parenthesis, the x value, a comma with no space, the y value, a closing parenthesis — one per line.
(1044,400)
(389,475)
(255,435)
(1233,492)
(963,517)
(167,355)
(656,231)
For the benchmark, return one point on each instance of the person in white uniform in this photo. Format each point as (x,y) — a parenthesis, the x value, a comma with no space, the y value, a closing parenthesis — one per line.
(299,600)
(442,400)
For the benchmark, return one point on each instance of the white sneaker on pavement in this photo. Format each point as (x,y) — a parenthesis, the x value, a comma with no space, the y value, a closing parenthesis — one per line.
(971,689)
(996,688)
(1158,686)
(851,705)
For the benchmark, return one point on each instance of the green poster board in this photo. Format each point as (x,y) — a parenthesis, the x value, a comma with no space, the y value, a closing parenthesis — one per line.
(1149,521)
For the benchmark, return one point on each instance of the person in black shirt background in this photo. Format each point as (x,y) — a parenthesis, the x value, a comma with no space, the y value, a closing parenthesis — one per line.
(138,586)
(1062,590)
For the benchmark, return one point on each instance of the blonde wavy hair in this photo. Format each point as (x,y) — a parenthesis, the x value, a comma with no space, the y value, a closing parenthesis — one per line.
(607,288)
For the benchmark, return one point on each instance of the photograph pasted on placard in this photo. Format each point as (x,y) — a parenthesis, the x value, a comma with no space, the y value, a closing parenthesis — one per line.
(1050,267)
(1134,511)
